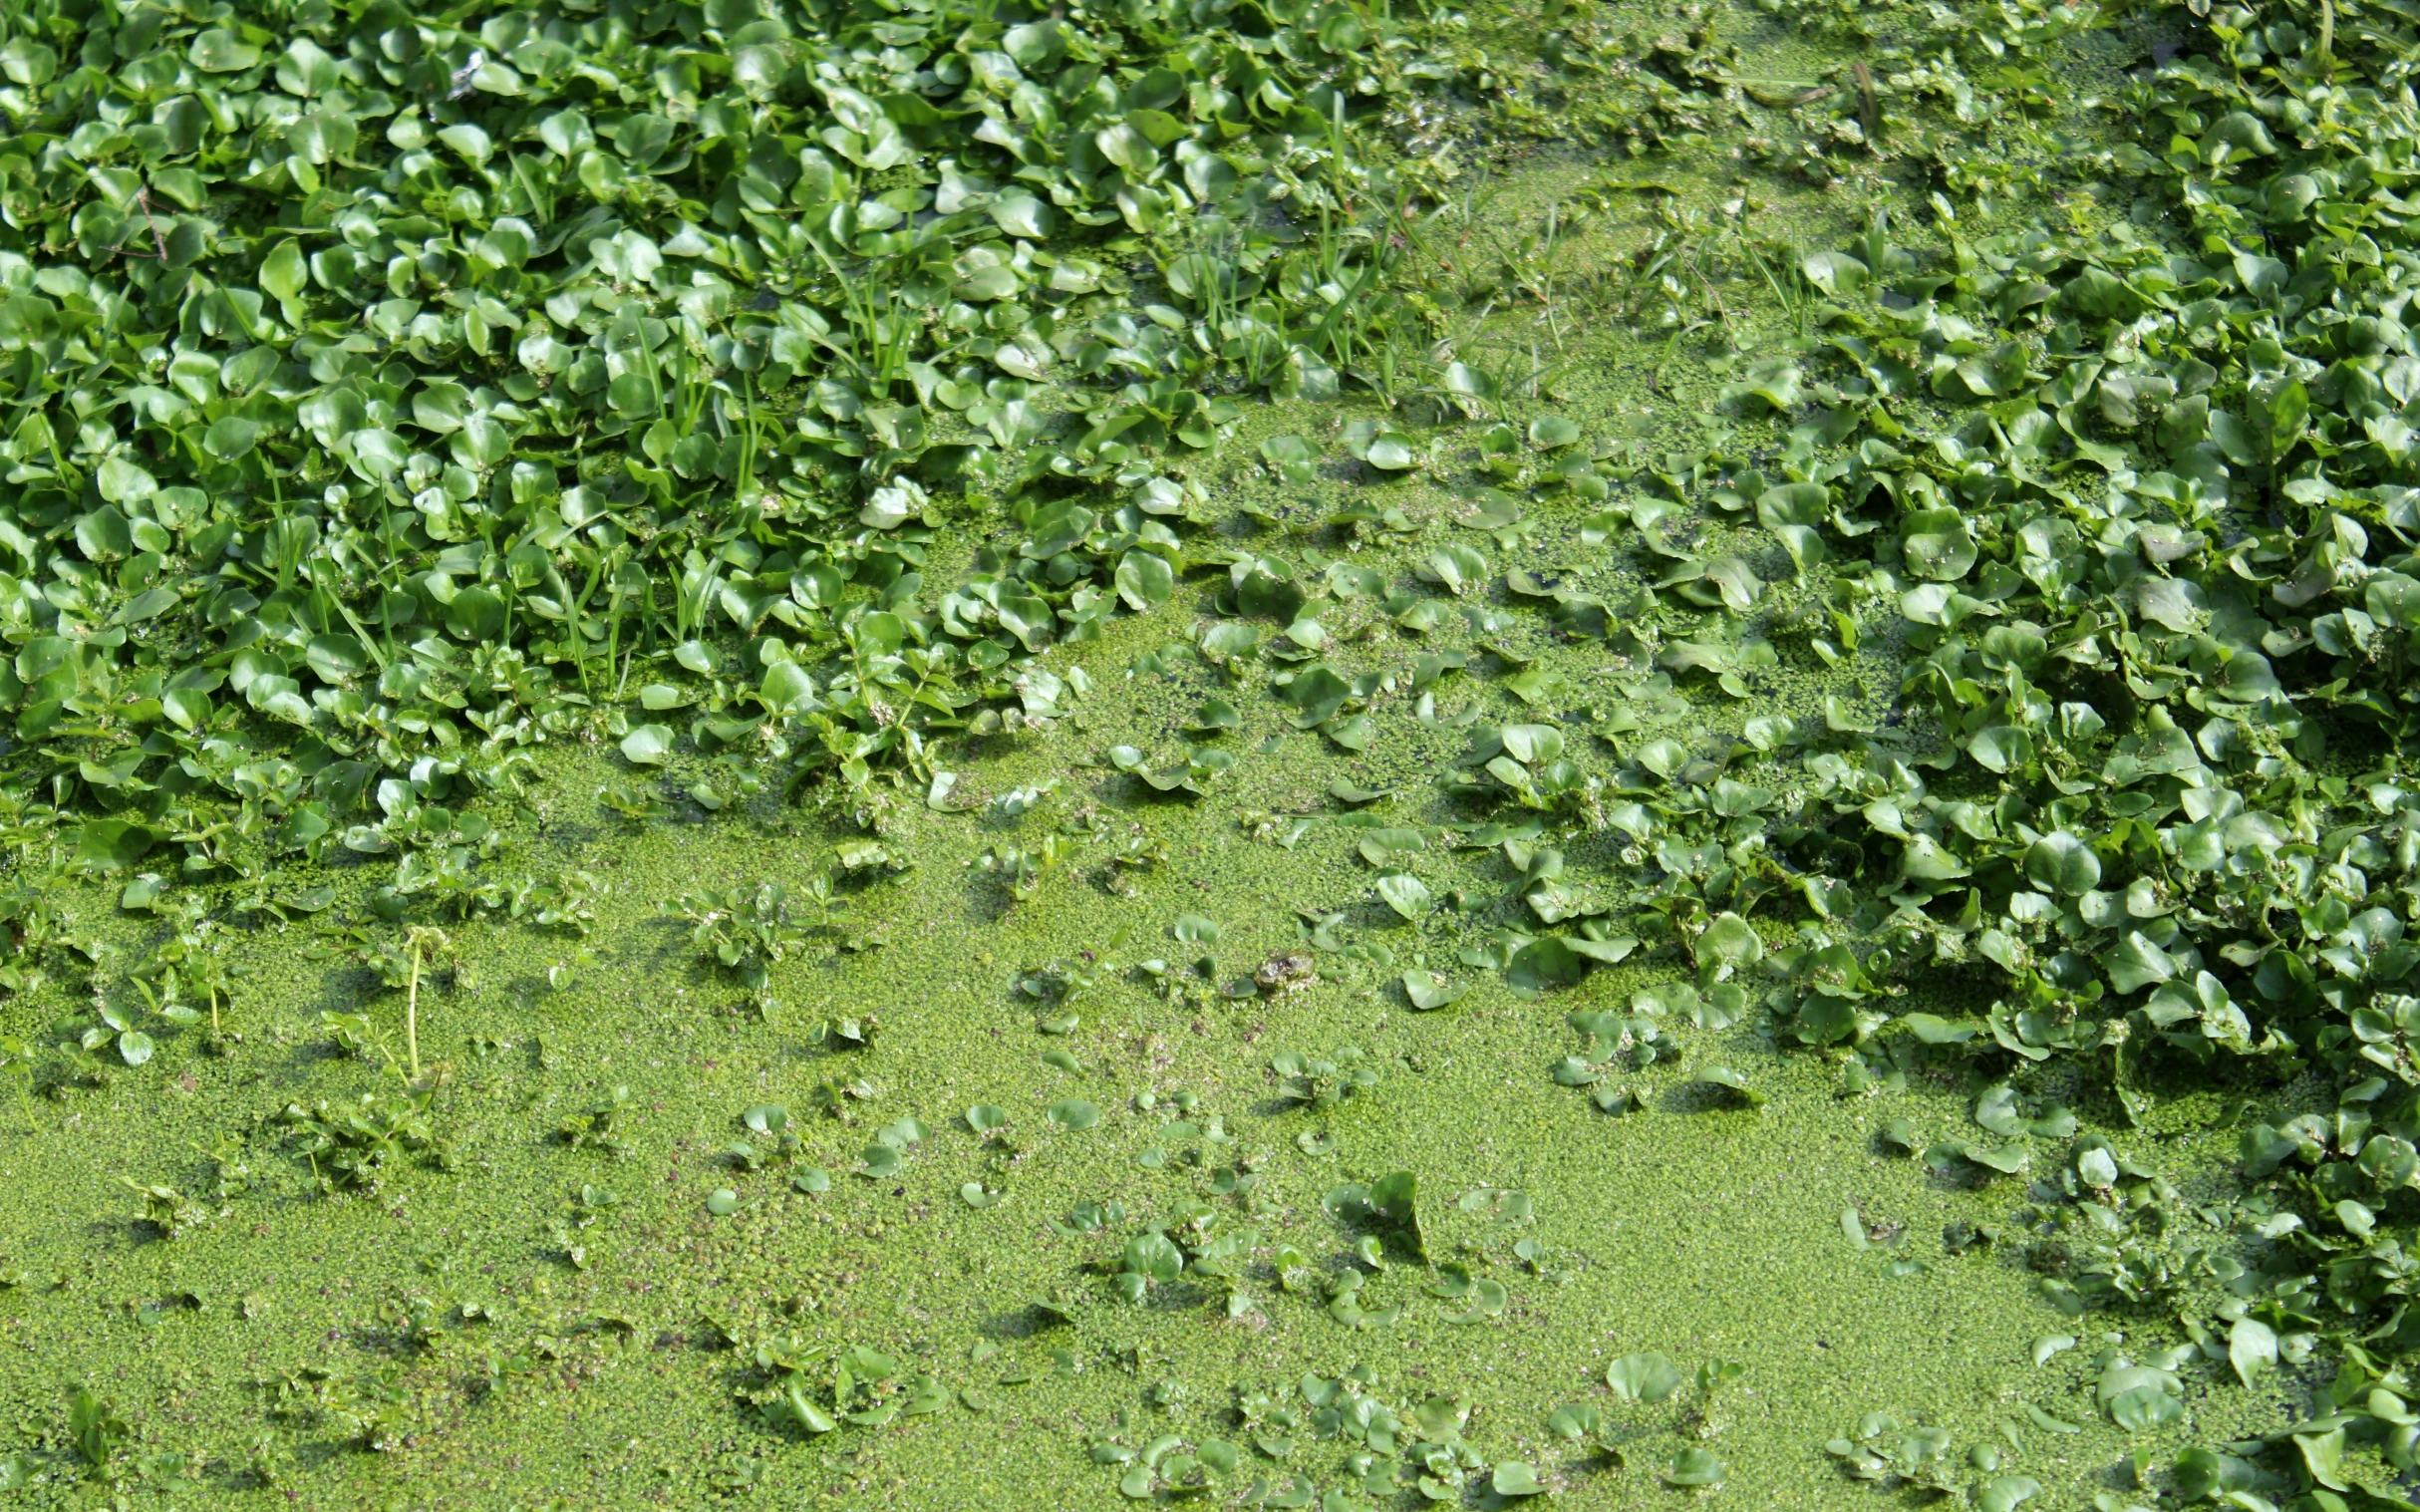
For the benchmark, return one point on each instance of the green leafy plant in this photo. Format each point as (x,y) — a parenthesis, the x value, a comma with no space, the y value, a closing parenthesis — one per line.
(96,1433)
(747,930)
(1323,1082)
(1885,1450)
(602,1124)
(168,1210)
(355,1146)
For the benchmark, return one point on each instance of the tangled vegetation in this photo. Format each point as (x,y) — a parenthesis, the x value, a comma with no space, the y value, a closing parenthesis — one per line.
(1902,565)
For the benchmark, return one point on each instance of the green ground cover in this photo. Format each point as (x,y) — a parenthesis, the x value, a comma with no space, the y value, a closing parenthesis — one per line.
(1284,755)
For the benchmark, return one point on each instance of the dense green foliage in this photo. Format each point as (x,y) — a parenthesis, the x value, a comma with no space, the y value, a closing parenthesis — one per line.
(394,396)
(389,390)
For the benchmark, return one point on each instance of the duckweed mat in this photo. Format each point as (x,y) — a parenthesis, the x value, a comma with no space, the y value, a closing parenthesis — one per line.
(1248,753)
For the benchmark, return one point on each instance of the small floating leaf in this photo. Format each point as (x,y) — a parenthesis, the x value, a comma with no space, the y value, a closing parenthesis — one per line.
(647,745)
(1429,991)
(1073,1114)
(1408,895)
(1694,1467)
(1649,1377)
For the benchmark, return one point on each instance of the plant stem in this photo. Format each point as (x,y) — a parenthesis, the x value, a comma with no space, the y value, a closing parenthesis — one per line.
(411,1015)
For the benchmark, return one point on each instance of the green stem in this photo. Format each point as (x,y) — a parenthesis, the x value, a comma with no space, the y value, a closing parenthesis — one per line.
(412,1017)
(613,632)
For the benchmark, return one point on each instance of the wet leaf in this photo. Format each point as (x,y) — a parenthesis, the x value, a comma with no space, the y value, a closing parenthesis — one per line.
(1732,1085)
(1574,1421)
(2062,864)
(647,745)
(1406,894)
(108,845)
(1073,1114)
(2007,1493)
(1426,990)
(2251,1348)
(1649,1377)
(1694,1467)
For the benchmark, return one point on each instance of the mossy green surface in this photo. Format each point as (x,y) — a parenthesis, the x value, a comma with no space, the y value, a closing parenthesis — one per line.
(1707,1232)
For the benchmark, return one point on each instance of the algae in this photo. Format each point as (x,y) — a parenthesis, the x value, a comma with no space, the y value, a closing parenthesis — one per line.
(593,1275)
(444,1304)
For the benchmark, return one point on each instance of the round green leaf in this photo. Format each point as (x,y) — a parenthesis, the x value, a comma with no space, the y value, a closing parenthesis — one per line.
(632,396)
(2007,1493)
(1836,273)
(335,658)
(103,536)
(113,844)
(1732,941)
(2001,747)
(1154,1257)
(1459,568)
(647,745)
(1552,431)
(231,436)
(1145,580)
(1649,1377)
(1543,963)
(1575,1421)
(1694,1467)
(1407,894)
(1128,148)
(477,614)
(189,707)
(218,51)
(2060,863)
(1074,1115)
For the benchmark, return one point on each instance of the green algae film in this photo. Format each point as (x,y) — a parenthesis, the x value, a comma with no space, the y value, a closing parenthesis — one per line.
(445,1311)
(446,1316)
(1705,1234)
